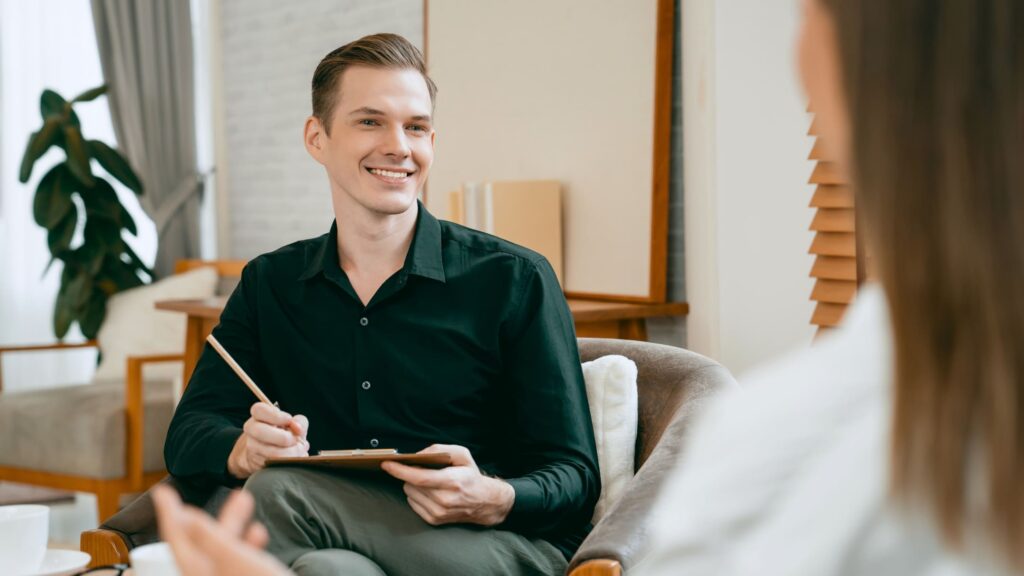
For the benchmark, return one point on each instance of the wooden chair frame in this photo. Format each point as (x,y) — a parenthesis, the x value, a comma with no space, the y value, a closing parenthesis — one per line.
(108,491)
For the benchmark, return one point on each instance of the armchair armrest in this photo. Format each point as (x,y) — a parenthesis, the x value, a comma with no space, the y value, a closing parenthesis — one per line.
(622,535)
(39,348)
(134,412)
(135,525)
(598,568)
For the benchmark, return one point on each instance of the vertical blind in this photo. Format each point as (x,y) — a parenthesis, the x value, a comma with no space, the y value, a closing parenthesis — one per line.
(836,271)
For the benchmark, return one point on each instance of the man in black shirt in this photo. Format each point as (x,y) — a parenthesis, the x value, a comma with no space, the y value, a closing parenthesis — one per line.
(396,330)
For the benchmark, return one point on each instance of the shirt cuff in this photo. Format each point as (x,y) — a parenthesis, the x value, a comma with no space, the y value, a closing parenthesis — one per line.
(217,452)
(528,503)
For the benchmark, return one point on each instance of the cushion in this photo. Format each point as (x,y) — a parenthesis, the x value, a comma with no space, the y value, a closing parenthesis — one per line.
(80,430)
(611,391)
(133,327)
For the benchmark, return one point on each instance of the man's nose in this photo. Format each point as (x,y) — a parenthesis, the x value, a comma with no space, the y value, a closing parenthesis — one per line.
(396,144)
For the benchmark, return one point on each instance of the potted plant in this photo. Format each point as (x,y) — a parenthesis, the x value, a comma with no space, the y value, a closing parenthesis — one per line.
(70,197)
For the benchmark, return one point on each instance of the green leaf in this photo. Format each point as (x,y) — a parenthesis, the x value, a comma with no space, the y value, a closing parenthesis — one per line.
(53,197)
(128,222)
(38,143)
(101,201)
(51,104)
(103,232)
(78,156)
(137,262)
(90,95)
(63,315)
(115,164)
(48,265)
(79,289)
(93,313)
(59,237)
(120,274)
(90,255)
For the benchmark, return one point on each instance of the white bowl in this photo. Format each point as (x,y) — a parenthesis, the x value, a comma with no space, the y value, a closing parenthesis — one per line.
(153,560)
(24,530)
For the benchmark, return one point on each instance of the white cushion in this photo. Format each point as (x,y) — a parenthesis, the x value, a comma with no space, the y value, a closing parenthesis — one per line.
(133,327)
(611,391)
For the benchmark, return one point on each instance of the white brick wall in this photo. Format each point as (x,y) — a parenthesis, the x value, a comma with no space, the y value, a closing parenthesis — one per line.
(269,49)
(277,194)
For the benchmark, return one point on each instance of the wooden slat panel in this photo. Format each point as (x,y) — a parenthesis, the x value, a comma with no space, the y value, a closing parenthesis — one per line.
(826,314)
(818,152)
(834,244)
(830,196)
(813,130)
(835,268)
(826,173)
(834,291)
(833,220)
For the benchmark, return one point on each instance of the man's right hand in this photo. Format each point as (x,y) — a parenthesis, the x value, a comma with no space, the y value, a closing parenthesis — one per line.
(268,433)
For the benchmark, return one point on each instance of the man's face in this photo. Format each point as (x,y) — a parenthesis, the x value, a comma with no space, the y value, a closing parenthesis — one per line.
(381,141)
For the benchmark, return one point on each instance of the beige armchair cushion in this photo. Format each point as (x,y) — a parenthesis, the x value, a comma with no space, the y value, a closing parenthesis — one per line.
(611,393)
(134,327)
(80,430)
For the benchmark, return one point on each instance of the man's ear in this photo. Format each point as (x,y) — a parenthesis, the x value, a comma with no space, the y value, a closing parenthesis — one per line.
(313,136)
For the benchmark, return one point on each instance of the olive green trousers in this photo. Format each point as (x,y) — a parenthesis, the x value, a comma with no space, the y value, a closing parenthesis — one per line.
(345,523)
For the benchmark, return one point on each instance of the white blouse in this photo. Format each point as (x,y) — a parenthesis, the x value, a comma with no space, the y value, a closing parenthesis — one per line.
(789,475)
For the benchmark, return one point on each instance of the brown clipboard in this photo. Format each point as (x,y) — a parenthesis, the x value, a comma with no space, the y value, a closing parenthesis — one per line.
(435,460)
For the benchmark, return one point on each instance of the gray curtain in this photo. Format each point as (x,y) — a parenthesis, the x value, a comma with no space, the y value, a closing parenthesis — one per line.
(146,51)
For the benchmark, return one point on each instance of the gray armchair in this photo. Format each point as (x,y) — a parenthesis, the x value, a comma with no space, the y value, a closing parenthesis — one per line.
(672,385)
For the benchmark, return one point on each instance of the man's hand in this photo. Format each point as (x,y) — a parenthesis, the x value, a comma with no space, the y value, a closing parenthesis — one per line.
(232,546)
(268,433)
(458,493)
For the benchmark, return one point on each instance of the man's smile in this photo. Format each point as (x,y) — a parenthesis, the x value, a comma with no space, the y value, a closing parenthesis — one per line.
(391,175)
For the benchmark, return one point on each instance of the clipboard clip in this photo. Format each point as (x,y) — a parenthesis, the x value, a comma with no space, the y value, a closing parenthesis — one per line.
(359,452)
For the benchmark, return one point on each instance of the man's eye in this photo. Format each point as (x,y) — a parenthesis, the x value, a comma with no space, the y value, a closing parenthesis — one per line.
(418,128)
(368,122)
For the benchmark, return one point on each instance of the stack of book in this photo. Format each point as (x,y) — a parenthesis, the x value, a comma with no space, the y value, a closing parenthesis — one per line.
(526,212)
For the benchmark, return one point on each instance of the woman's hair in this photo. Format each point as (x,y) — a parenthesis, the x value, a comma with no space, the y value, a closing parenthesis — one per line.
(935,90)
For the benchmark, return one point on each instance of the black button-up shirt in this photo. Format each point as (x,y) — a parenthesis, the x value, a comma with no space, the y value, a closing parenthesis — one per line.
(470,343)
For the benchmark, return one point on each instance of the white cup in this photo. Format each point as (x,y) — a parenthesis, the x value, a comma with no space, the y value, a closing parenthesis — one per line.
(24,530)
(154,560)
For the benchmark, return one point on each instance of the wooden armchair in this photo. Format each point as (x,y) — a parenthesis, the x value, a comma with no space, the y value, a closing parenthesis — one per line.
(96,438)
(672,385)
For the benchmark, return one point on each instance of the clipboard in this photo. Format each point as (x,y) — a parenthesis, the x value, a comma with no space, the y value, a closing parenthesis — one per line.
(360,460)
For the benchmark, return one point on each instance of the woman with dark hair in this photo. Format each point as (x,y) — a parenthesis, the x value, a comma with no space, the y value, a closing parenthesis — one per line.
(895,445)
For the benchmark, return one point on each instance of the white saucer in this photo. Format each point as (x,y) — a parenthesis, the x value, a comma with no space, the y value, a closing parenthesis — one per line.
(62,562)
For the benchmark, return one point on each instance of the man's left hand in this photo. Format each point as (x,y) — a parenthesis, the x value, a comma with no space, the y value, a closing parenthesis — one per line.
(456,494)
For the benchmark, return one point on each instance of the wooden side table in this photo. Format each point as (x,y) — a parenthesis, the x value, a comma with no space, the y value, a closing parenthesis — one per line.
(593,319)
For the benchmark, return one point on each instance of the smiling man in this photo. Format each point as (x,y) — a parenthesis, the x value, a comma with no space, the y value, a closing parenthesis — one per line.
(396,330)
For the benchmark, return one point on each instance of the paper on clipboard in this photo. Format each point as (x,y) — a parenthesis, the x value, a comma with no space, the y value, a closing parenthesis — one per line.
(365,460)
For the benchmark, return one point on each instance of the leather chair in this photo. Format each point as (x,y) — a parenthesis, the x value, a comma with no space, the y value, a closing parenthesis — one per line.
(672,386)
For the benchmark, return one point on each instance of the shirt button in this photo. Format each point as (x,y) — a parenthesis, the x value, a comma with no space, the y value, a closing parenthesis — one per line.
(366,385)
(374,443)
(364,321)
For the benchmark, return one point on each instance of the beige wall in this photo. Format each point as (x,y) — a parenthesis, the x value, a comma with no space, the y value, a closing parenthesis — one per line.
(563,90)
(746,172)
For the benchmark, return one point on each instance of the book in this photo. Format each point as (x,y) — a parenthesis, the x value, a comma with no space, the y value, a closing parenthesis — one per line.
(526,212)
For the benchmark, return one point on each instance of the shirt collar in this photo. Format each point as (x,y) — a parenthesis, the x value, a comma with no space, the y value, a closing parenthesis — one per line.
(424,259)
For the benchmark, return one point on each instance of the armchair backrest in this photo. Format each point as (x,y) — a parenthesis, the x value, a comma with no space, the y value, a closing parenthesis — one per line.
(667,378)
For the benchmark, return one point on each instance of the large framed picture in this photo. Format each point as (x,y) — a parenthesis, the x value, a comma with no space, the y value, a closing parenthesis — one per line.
(570,90)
